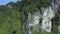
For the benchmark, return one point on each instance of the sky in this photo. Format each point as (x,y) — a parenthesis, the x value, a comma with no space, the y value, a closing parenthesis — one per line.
(4,2)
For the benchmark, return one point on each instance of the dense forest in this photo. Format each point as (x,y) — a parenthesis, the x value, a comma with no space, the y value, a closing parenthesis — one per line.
(13,15)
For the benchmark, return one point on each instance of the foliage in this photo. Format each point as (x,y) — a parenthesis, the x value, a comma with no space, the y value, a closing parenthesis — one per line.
(10,21)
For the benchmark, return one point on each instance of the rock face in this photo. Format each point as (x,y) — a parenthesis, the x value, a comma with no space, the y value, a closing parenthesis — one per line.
(47,16)
(34,20)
